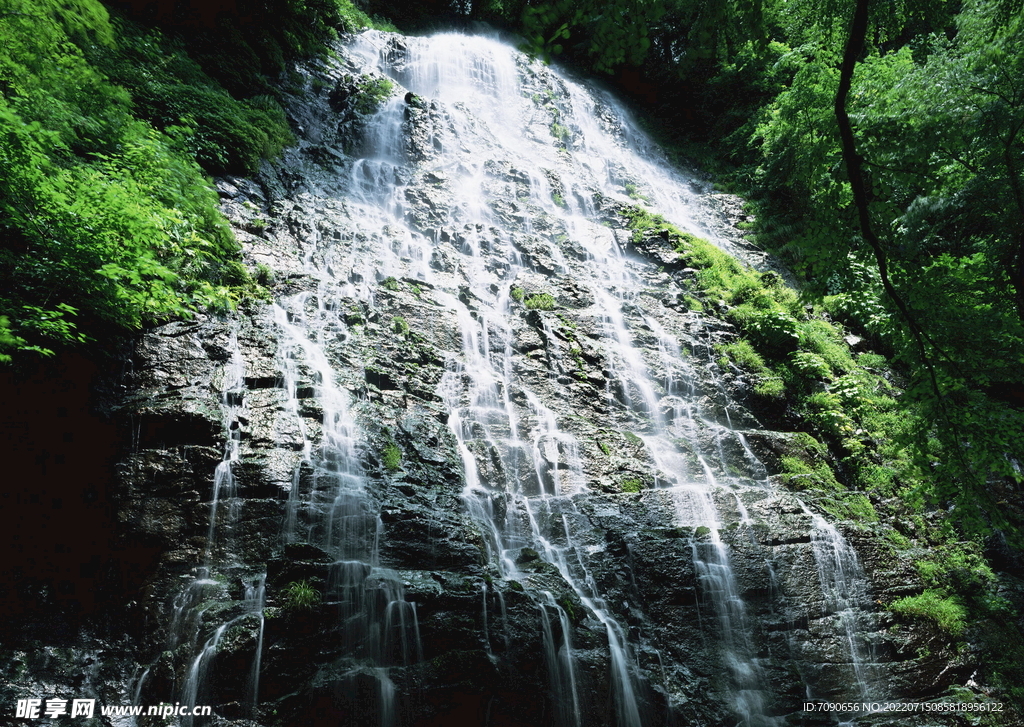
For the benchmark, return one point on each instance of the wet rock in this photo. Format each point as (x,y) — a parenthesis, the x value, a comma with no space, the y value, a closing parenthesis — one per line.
(421,488)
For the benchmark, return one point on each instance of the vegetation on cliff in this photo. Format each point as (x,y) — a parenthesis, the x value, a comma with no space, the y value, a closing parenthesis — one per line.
(108,127)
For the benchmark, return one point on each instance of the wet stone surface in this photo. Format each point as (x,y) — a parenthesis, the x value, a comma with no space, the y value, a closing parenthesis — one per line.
(476,464)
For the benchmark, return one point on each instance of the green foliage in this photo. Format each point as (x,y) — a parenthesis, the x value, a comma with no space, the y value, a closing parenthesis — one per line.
(172,91)
(938,119)
(825,341)
(517,294)
(774,330)
(400,326)
(771,387)
(811,365)
(390,283)
(612,33)
(958,567)
(391,457)
(11,342)
(693,304)
(802,473)
(540,301)
(373,91)
(631,484)
(803,363)
(105,225)
(742,352)
(806,468)
(300,596)
(946,612)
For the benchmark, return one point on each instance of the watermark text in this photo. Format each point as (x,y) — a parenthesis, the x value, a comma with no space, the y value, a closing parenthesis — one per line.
(51,708)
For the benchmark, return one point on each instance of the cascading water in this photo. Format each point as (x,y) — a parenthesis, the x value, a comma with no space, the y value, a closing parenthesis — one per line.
(378,627)
(479,84)
(482,185)
(191,628)
(567,152)
(843,585)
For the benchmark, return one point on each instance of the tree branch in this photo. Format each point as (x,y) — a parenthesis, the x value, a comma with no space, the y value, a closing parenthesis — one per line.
(854,48)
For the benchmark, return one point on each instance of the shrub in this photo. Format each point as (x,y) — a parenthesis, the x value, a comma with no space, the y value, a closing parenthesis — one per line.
(540,301)
(947,612)
(300,596)
(774,331)
(811,365)
(391,457)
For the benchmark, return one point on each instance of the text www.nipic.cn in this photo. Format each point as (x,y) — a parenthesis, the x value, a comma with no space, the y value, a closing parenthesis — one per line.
(50,708)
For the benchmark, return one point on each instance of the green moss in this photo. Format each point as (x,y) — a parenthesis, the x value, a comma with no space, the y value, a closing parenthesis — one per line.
(373,91)
(693,304)
(805,467)
(898,539)
(517,294)
(391,457)
(570,609)
(850,506)
(800,473)
(390,283)
(633,192)
(605,449)
(540,301)
(631,484)
(825,410)
(824,340)
(946,612)
(771,387)
(633,440)
(400,326)
(743,354)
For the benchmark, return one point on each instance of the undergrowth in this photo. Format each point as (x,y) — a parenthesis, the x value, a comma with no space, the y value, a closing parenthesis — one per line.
(108,127)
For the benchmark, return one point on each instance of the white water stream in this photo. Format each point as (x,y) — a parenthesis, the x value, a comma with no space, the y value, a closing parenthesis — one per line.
(560,148)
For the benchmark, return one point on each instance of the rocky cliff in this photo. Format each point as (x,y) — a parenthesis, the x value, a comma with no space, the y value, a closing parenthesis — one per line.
(478,461)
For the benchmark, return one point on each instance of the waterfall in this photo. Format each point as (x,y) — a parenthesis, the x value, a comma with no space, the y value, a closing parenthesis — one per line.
(189,625)
(566,149)
(587,150)
(479,194)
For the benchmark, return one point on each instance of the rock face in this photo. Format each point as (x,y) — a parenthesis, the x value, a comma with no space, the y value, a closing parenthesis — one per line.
(476,464)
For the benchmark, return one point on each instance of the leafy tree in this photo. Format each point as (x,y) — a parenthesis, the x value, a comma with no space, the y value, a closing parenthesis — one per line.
(104,223)
(904,202)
